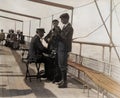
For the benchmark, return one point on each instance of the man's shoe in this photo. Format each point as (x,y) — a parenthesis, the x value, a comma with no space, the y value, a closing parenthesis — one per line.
(60,82)
(43,76)
(63,85)
(55,81)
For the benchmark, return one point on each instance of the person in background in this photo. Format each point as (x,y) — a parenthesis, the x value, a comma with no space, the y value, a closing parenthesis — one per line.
(9,38)
(2,35)
(16,43)
(52,39)
(64,47)
(18,34)
(21,39)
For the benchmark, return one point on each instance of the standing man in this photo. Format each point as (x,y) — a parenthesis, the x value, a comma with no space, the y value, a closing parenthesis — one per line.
(52,39)
(64,47)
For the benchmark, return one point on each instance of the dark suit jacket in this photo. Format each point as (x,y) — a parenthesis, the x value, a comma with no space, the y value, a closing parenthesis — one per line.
(65,39)
(53,43)
(36,48)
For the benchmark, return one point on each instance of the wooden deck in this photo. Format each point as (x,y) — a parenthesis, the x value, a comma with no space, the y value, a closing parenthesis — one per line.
(13,84)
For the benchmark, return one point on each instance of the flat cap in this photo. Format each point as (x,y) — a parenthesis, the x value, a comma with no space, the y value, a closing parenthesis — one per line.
(65,15)
(40,30)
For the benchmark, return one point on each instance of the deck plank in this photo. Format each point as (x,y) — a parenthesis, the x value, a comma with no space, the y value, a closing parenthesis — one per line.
(13,84)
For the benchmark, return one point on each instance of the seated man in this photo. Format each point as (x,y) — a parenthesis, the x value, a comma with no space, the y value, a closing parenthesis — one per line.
(36,50)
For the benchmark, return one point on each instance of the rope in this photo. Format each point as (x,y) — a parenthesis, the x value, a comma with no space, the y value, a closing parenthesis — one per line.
(99,26)
(85,4)
(54,14)
(116,13)
(107,30)
(92,31)
(68,10)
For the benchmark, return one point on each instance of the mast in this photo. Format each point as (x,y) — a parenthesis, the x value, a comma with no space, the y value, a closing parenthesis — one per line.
(112,43)
(111,19)
(110,49)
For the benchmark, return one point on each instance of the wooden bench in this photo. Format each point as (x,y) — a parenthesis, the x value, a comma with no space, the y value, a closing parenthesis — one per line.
(103,82)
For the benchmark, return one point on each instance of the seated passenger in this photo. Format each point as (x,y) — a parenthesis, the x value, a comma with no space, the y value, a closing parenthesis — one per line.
(36,50)
(15,44)
(8,38)
(21,39)
(2,35)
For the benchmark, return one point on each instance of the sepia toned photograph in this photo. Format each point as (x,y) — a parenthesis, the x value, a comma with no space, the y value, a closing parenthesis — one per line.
(59,48)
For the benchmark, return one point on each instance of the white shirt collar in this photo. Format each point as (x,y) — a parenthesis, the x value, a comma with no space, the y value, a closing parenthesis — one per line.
(66,24)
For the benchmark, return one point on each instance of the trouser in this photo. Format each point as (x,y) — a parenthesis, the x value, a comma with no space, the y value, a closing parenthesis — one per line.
(57,72)
(49,67)
(62,62)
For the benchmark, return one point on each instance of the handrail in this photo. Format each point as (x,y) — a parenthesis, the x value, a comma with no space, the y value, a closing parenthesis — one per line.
(96,44)
(91,43)
(107,30)
(93,59)
(28,36)
(24,35)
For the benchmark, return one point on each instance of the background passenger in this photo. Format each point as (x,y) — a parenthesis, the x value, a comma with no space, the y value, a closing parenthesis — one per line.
(2,35)
(21,38)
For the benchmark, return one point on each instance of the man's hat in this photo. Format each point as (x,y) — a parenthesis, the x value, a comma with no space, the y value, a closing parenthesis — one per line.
(41,30)
(65,15)
(55,20)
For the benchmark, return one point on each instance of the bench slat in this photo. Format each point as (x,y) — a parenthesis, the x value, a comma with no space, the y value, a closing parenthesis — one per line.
(99,79)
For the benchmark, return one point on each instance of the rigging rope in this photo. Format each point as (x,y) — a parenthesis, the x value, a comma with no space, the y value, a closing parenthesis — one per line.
(54,14)
(85,4)
(92,31)
(95,28)
(68,10)
(116,13)
(100,25)
(107,31)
